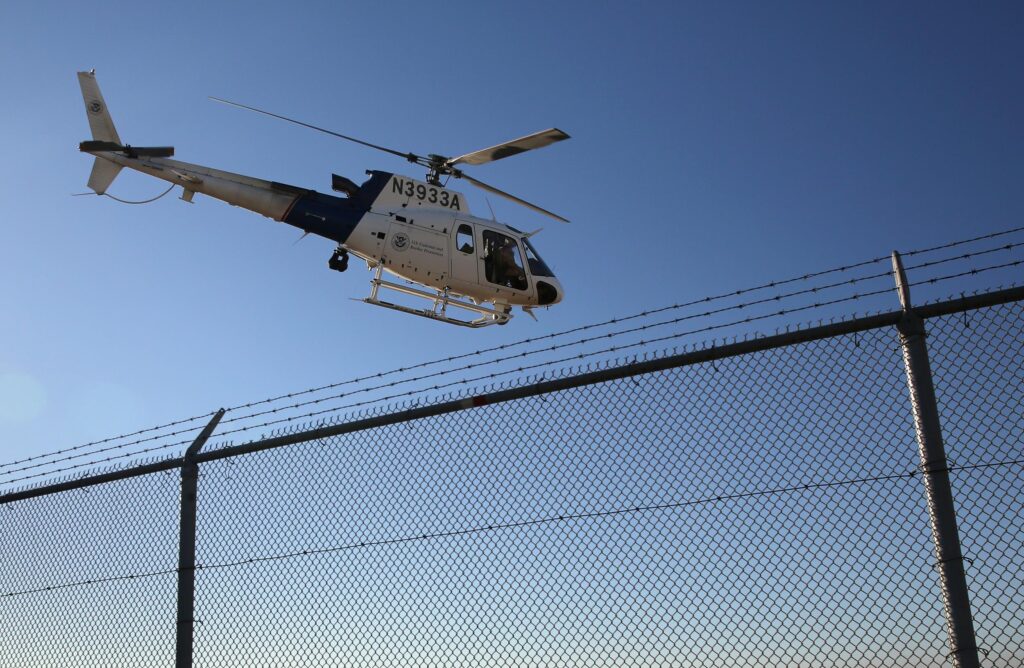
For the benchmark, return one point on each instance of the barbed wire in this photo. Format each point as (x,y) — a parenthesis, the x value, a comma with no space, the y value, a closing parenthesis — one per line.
(402,370)
(501,526)
(409,393)
(98,462)
(961,242)
(109,439)
(551,348)
(705,300)
(583,341)
(521,369)
(101,450)
(564,360)
(617,320)
(724,295)
(469,367)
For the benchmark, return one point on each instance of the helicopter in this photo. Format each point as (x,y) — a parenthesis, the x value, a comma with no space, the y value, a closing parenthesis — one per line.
(421,232)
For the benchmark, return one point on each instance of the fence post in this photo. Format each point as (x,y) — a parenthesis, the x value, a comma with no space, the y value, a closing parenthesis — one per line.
(935,472)
(187,545)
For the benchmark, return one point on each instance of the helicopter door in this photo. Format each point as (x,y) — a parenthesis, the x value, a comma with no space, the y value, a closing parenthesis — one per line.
(503,262)
(465,250)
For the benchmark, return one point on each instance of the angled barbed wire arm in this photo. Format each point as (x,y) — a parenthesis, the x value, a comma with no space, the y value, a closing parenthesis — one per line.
(935,469)
(185,626)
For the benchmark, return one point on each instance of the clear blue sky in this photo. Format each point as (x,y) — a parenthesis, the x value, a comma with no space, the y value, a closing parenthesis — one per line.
(715,146)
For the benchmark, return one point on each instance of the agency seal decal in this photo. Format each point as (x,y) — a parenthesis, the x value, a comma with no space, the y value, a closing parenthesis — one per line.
(400,241)
(95,106)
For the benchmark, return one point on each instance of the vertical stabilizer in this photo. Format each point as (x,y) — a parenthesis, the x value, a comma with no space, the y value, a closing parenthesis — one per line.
(100,122)
(103,174)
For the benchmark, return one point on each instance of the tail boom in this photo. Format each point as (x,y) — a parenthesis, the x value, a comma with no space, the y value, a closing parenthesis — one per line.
(332,217)
(324,215)
(264,197)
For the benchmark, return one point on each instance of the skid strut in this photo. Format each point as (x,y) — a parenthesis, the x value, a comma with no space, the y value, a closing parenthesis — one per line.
(440,300)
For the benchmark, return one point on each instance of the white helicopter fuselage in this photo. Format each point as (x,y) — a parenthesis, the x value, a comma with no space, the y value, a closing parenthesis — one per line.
(417,231)
(430,237)
(421,232)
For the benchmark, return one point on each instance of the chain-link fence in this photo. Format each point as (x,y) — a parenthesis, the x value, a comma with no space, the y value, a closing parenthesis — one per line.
(719,509)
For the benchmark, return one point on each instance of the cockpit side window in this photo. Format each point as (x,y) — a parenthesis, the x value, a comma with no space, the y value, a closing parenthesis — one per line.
(503,264)
(464,239)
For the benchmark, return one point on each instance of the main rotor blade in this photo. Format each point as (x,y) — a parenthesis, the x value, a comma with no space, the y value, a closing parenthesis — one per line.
(411,157)
(480,184)
(514,147)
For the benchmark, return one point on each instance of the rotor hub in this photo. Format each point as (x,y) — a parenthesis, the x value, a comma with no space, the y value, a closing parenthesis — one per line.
(438,165)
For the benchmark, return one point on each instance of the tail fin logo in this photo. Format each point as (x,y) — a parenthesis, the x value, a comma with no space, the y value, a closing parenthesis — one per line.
(95,106)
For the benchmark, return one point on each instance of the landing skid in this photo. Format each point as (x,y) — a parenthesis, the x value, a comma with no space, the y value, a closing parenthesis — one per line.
(440,301)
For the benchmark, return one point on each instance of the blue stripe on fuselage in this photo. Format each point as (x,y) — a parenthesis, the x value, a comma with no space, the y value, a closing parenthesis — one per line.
(325,215)
(335,217)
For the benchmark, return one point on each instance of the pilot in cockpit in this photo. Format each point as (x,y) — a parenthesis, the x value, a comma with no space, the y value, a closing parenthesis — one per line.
(509,270)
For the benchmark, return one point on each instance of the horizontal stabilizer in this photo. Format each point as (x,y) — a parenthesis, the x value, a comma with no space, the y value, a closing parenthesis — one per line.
(130,151)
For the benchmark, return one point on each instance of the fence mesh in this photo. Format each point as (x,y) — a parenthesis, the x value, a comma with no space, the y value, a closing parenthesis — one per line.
(762,510)
(979,382)
(68,591)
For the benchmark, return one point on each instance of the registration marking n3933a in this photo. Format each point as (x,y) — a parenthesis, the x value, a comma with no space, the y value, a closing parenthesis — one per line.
(424,193)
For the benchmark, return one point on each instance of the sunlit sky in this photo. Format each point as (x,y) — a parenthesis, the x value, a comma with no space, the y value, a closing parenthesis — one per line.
(714,146)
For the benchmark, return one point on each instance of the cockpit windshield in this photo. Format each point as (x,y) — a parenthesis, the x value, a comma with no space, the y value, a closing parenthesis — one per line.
(537,266)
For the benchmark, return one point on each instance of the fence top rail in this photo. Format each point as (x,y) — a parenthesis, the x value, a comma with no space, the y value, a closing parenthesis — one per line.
(752,345)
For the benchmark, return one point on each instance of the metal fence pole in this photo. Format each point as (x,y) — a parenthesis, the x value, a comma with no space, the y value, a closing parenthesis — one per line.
(935,469)
(187,546)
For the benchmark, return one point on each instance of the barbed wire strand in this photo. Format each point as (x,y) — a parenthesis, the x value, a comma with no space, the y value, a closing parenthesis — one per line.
(961,242)
(109,439)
